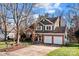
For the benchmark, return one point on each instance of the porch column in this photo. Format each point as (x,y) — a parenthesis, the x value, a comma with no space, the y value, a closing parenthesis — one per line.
(38,38)
(41,38)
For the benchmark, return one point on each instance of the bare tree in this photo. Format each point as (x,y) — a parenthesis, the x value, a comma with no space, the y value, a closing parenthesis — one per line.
(20,13)
(74,22)
(4,19)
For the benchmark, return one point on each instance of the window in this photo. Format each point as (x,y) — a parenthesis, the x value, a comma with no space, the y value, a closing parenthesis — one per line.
(39,28)
(48,27)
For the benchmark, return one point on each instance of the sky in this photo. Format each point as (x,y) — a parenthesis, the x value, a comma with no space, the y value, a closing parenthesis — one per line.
(57,9)
(54,9)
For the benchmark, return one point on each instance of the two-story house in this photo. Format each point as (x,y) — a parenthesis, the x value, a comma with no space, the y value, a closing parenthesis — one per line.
(50,30)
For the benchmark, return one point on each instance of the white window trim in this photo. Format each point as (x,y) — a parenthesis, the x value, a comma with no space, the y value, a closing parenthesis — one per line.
(46,27)
(38,29)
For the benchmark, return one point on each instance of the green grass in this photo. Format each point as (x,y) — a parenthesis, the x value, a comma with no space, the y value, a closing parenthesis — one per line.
(70,50)
(3,44)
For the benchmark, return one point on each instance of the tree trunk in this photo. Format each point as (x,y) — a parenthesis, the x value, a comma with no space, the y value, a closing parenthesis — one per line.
(17,35)
(33,37)
(5,31)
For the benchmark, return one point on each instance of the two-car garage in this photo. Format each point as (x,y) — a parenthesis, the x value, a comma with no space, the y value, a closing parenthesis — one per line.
(53,39)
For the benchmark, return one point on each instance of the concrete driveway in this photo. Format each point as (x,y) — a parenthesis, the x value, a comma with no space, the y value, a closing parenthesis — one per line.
(33,50)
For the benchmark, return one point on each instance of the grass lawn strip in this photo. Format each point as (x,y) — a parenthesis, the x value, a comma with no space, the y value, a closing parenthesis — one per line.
(70,50)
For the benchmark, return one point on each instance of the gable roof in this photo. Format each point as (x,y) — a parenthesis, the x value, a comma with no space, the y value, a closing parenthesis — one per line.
(53,19)
(47,20)
(50,20)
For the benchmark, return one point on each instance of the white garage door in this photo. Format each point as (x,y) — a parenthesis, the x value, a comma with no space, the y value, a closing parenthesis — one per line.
(47,39)
(57,40)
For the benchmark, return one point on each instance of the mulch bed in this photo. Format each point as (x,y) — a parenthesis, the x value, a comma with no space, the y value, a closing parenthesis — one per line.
(12,48)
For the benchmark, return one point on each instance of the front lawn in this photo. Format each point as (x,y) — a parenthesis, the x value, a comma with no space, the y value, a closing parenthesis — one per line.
(3,44)
(70,50)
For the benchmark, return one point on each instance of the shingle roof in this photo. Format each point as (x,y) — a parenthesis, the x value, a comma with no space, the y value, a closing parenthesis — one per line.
(59,29)
(45,22)
(52,19)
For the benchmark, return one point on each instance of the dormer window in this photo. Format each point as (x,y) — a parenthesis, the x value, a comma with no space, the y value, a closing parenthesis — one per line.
(48,27)
(39,28)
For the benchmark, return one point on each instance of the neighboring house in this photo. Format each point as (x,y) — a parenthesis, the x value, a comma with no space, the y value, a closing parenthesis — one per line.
(11,35)
(11,30)
(50,30)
